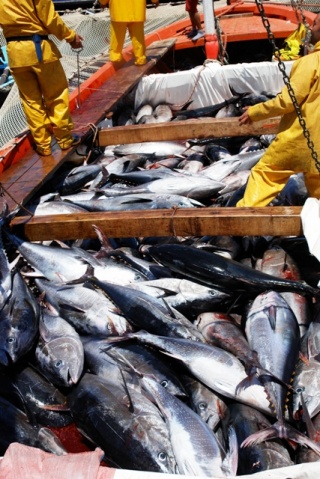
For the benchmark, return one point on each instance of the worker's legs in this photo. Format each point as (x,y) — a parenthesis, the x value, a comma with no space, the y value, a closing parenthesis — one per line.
(191,8)
(136,31)
(54,87)
(195,20)
(34,108)
(264,183)
(117,36)
(312,182)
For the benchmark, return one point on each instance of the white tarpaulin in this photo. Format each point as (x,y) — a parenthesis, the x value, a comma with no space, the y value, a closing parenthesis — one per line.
(26,462)
(210,83)
(310,217)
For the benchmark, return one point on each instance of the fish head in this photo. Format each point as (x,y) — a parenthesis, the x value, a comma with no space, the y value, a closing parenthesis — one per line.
(166,459)
(62,360)
(307,389)
(15,342)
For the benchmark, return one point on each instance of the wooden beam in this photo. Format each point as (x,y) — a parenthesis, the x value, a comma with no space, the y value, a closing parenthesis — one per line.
(182,130)
(267,221)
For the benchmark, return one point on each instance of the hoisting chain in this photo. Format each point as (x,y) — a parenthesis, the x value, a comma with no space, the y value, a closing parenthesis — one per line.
(286,80)
(223,55)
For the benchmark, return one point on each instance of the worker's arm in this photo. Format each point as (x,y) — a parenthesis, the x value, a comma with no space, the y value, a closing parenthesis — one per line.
(53,23)
(104,3)
(303,74)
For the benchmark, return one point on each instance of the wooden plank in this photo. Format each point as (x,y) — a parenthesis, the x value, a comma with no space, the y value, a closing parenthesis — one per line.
(267,221)
(181,130)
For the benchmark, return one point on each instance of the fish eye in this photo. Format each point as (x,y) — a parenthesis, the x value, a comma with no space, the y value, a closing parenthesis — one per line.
(300,389)
(202,406)
(11,340)
(58,363)
(162,456)
(164,383)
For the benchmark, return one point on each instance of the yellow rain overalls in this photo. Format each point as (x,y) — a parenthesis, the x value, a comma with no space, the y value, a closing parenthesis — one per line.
(35,65)
(125,15)
(289,152)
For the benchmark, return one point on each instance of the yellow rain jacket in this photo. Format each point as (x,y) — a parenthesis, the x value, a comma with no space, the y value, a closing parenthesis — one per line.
(24,18)
(293,44)
(289,152)
(43,86)
(129,15)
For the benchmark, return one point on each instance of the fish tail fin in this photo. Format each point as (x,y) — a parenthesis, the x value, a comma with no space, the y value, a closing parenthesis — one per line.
(230,462)
(283,431)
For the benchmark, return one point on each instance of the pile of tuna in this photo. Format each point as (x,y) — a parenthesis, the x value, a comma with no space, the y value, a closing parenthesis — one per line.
(172,355)
(195,356)
(210,172)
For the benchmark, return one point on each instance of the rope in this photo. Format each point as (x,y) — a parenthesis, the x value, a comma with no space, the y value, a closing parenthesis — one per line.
(19,205)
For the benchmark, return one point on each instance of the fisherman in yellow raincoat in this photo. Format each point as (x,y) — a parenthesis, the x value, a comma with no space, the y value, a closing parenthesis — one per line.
(34,63)
(289,152)
(129,15)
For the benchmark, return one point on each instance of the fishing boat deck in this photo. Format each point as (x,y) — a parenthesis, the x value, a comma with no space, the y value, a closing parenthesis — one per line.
(95,99)
(24,178)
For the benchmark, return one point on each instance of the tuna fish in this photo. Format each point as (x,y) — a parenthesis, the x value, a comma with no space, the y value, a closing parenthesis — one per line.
(85,309)
(272,331)
(110,424)
(195,446)
(146,312)
(214,367)
(213,270)
(306,381)
(15,427)
(258,457)
(19,322)
(59,351)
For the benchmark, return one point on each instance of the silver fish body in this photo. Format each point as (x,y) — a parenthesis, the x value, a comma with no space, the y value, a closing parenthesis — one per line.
(195,446)
(306,380)
(158,148)
(59,351)
(192,186)
(102,358)
(19,322)
(208,405)
(147,312)
(278,262)
(214,367)
(272,331)
(85,309)
(188,297)
(110,424)
(258,457)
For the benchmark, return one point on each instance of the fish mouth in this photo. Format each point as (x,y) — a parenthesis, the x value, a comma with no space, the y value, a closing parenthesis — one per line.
(73,377)
(5,358)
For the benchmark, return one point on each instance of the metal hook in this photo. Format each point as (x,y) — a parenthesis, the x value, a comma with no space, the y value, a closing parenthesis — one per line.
(78,51)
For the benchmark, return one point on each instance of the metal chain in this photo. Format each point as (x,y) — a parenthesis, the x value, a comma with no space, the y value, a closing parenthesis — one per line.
(223,55)
(286,80)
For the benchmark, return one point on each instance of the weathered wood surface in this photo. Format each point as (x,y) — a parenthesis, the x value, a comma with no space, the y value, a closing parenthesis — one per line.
(267,221)
(23,179)
(103,100)
(181,130)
